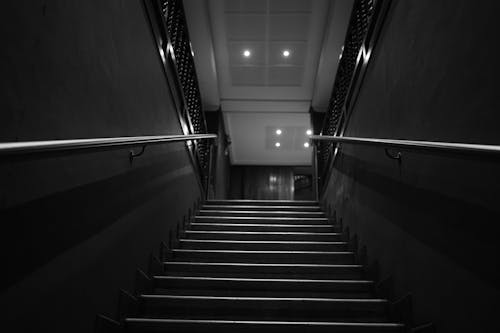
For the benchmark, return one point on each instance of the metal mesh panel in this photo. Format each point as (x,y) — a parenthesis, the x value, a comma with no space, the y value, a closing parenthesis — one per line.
(178,35)
(356,33)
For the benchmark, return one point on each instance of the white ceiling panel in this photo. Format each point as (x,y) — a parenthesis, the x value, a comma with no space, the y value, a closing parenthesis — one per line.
(246,27)
(297,50)
(286,6)
(249,76)
(289,27)
(257,56)
(285,76)
(252,6)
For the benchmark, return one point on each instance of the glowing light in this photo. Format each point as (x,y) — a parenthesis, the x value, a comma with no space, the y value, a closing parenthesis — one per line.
(286,53)
(278,132)
(309,132)
(247,53)
(277,144)
(306,144)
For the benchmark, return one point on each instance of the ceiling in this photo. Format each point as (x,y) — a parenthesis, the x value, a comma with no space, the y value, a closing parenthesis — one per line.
(265,63)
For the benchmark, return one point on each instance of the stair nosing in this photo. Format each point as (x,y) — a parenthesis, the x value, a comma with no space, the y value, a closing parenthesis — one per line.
(267,299)
(279,218)
(296,233)
(262,251)
(256,212)
(225,241)
(263,322)
(264,225)
(261,264)
(210,278)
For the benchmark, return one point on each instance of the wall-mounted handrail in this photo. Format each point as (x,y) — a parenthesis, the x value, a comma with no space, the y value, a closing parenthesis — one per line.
(432,146)
(35,147)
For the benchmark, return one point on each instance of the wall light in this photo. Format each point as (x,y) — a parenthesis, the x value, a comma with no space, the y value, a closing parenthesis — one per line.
(286,53)
(309,132)
(247,53)
(278,132)
(306,144)
(277,144)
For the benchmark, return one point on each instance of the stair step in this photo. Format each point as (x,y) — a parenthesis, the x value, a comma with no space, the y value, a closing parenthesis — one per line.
(262,235)
(264,227)
(255,308)
(201,244)
(293,270)
(262,202)
(263,293)
(256,213)
(263,208)
(254,256)
(251,284)
(262,219)
(203,326)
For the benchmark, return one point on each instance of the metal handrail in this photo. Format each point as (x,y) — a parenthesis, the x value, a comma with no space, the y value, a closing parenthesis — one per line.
(35,147)
(432,146)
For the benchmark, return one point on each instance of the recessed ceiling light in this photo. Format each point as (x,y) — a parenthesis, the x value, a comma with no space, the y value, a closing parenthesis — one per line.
(278,132)
(247,53)
(286,53)
(277,144)
(309,132)
(306,144)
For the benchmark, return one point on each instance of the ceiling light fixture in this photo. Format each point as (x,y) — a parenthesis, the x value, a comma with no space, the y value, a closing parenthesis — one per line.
(286,53)
(277,144)
(309,132)
(306,144)
(247,53)
(278,132)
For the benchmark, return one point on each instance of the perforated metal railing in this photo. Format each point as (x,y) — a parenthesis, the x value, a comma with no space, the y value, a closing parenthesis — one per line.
(357,31)
(178,36)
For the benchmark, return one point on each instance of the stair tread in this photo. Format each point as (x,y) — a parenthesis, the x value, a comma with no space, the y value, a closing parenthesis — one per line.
(260,265)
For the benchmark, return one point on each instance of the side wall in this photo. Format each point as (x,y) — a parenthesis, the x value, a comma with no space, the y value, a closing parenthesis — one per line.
(75,227)
(433,221)
(221,175)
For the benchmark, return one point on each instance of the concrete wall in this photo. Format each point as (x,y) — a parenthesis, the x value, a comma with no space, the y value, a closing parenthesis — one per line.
(75,228)
(432,221)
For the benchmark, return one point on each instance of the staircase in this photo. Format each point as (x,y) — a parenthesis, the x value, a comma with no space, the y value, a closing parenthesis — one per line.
(261,266)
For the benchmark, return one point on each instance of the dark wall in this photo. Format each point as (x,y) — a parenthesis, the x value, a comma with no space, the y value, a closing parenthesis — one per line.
(433,220)
(75,227)
(271,183)
(222,164)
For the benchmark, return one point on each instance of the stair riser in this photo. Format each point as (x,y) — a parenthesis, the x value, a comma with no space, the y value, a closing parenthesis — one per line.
(264,257)
(257,310)
(262,208)
(266,285)
(263,246)
(265,271)
(261,220)
(245,213)
(317,237)
(255,328)
(265,228)
(262,202)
